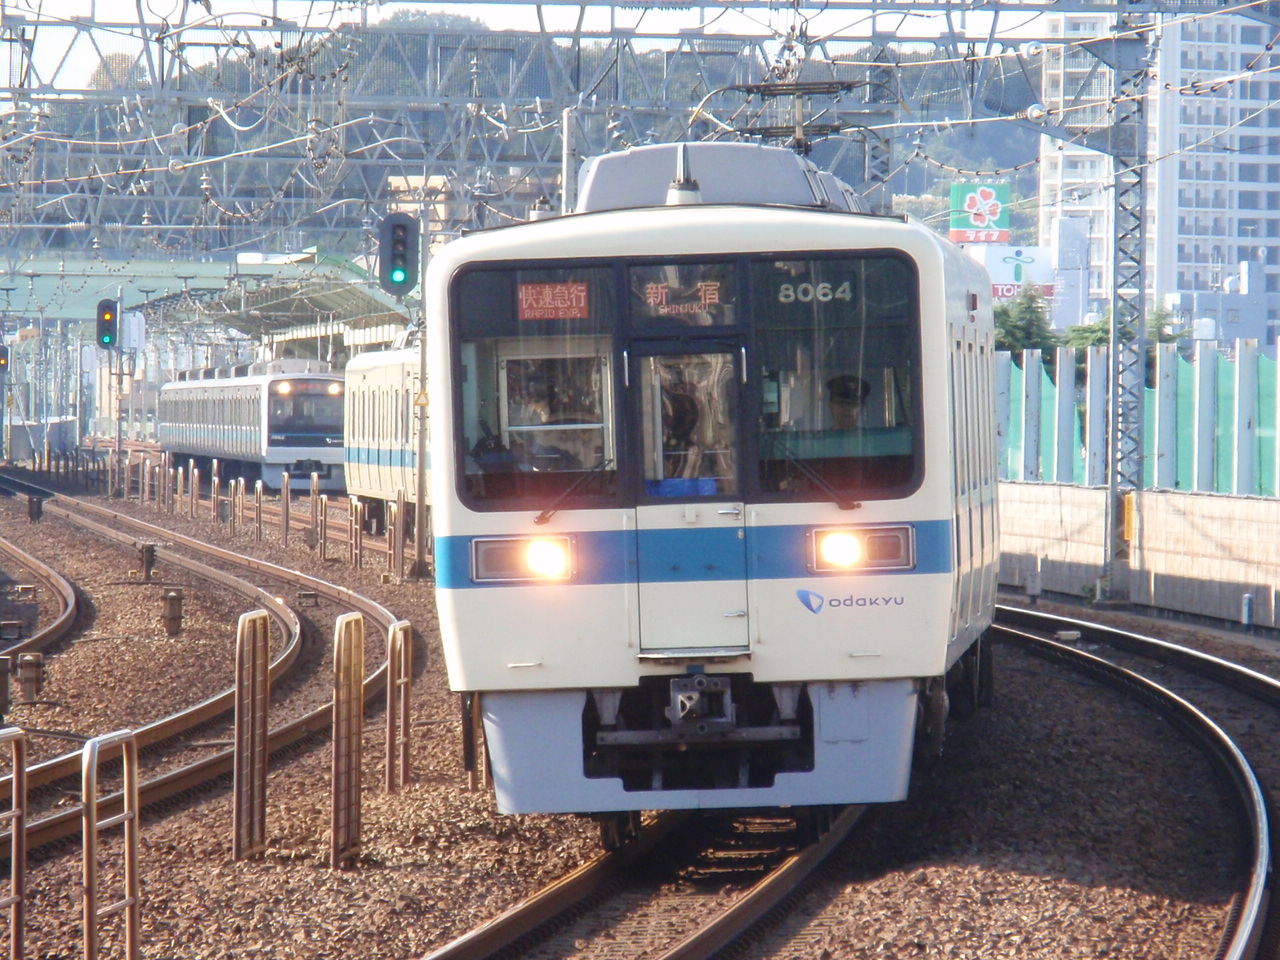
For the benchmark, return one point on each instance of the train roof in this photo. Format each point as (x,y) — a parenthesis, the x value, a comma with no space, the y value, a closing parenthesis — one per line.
(739,173)
(290,365)
(376,358)
(692,229)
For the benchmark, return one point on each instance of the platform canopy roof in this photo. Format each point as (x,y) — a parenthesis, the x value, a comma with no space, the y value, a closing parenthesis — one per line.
(256,297)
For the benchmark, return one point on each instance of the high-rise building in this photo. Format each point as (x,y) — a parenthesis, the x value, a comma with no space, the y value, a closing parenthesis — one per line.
(1212,187)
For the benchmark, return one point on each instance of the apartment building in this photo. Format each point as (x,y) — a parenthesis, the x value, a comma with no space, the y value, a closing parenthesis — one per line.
(1213,189)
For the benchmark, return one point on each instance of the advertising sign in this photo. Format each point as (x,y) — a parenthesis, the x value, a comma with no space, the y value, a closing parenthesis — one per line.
(1013,268)
(980,212)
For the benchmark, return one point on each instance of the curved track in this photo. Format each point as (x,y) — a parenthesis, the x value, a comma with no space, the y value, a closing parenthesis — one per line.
(181,551)
(54,584)
(1249,931)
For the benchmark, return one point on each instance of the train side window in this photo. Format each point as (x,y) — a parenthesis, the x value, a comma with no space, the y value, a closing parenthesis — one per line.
(406,413)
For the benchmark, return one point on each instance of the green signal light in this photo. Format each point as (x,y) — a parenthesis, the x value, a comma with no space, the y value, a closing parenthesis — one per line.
(398,274)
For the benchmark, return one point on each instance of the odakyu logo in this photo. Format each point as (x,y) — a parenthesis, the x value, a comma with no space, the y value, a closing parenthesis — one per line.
(815,602)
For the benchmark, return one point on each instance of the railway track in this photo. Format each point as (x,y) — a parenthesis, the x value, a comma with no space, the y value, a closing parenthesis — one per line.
(619,906)
(637,902)
(656,917)
(48,583)
(182,552)
(1186,686)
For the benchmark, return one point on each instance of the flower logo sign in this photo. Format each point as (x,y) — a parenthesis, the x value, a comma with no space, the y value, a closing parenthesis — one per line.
(983,207)
(980,212)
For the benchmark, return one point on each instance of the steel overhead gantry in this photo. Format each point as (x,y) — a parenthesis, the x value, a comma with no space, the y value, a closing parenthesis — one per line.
(203,135)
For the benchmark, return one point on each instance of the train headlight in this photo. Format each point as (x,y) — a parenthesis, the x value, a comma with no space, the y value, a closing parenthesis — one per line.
(548,558)
(521,559)
(284,387)
(839,548)
(844,549)
(335,389)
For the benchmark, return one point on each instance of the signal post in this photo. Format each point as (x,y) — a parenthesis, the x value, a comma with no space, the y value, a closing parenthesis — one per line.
(109,338)
(400,256)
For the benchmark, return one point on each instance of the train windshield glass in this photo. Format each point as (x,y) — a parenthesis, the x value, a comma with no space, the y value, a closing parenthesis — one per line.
(838,341)
(305,413)
(536,350)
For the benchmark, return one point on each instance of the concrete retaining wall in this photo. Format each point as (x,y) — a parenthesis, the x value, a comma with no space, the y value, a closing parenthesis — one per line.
(1191,553)
(1061,526)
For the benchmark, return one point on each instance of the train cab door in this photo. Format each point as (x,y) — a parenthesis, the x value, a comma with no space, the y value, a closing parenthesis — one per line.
(690,528)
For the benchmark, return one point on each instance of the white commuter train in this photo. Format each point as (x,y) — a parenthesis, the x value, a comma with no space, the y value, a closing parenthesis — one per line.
(380,430)
(714,489)
(258,421)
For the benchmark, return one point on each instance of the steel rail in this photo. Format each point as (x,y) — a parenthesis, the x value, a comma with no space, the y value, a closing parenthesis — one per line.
(558,897)
(568,893)
(167,728)
(220,764)
(1234,675)
(1247,921)
(56,584)
(765,895)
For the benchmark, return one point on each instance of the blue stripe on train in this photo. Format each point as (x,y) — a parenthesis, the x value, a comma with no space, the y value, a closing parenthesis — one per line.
(383,456)
(772,553)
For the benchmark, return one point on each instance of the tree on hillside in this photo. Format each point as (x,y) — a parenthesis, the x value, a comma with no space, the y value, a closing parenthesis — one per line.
(438,20)
(118,70)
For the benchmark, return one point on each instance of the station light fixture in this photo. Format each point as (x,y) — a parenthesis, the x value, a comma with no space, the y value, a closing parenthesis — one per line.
(398,238)
(108,323)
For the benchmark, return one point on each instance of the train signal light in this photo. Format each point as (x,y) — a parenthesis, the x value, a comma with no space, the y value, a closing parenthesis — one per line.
(398,254)
(108,323)
(4,358)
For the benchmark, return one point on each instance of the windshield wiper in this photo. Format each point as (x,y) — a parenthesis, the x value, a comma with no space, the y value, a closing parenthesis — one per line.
(549,511)
(836,497)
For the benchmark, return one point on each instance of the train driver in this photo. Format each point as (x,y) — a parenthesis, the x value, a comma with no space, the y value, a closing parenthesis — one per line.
(846,397)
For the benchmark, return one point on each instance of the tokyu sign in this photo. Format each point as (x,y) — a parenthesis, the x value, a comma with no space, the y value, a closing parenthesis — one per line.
(1013,269)
(980,212)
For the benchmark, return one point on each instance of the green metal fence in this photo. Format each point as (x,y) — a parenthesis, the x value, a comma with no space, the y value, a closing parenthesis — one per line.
(1210,419)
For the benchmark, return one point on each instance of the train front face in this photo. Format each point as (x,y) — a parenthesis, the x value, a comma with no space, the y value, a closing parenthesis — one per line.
(303,431)
(690,550)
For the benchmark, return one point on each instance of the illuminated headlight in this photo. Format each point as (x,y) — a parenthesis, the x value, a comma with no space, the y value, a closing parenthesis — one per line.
(846,549)
(335,389)
(839,549)
(515,559)
(284,387)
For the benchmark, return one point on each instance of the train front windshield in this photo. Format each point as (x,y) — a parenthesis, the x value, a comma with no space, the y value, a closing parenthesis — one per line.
(763,378)
(305,413)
